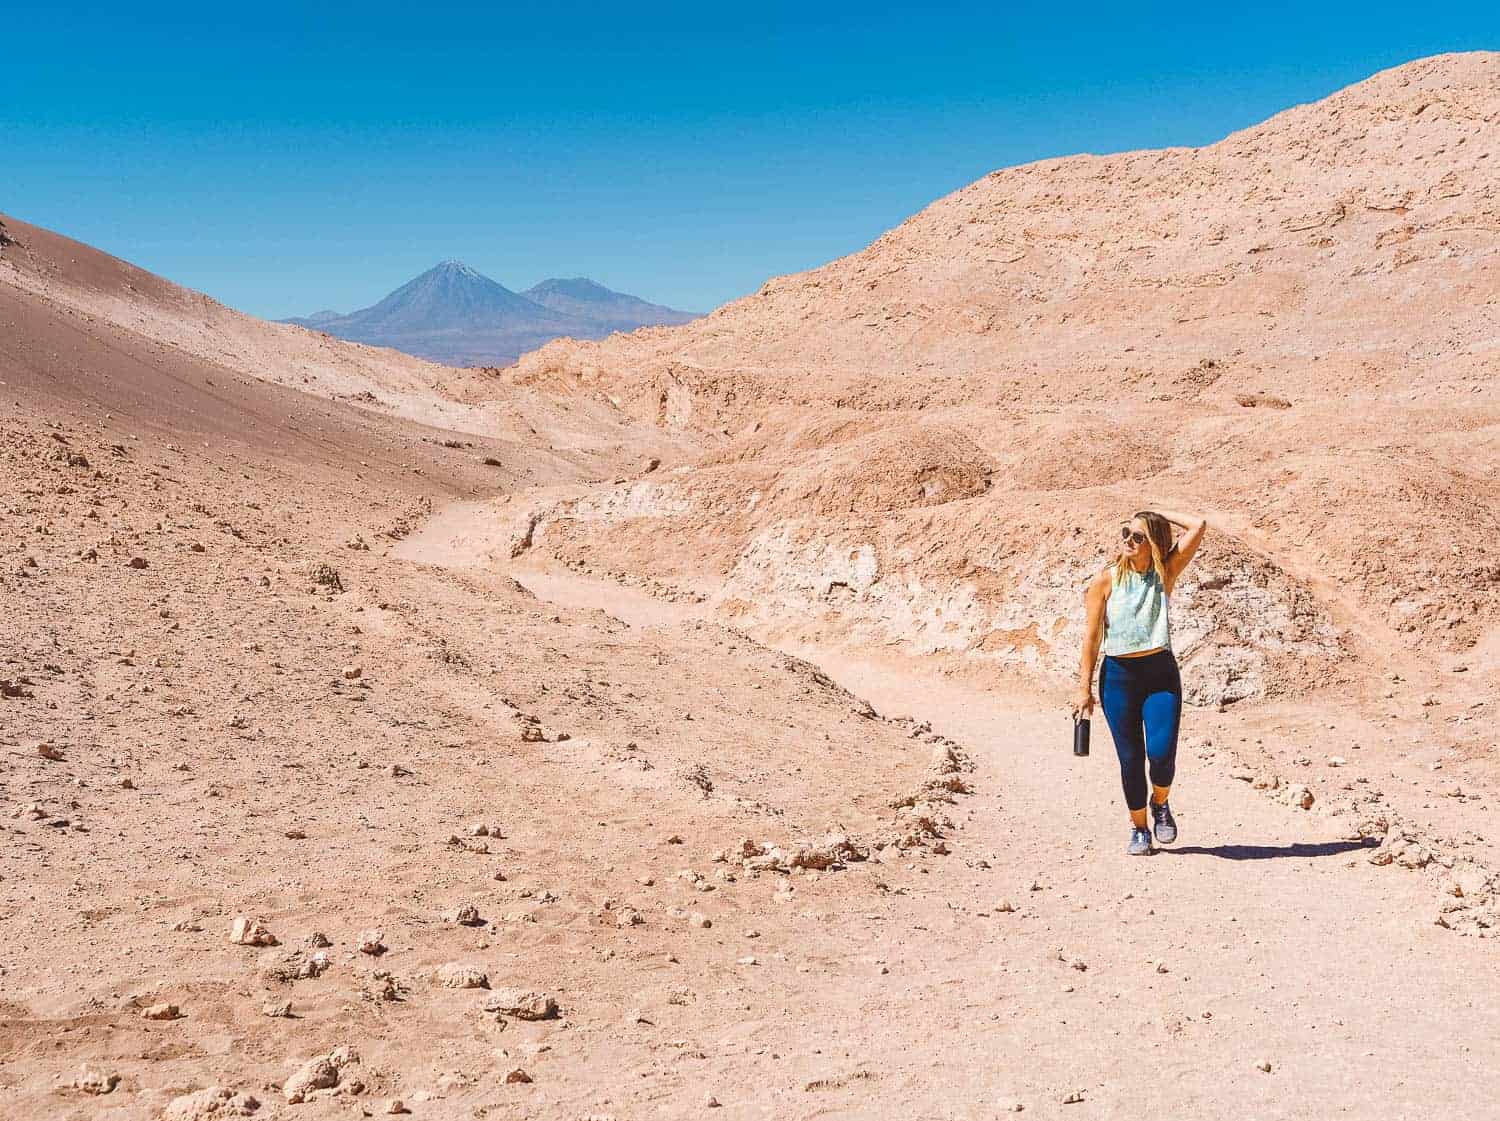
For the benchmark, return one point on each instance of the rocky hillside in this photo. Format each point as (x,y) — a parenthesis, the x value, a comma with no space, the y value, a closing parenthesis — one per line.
(51,284)
(932,441)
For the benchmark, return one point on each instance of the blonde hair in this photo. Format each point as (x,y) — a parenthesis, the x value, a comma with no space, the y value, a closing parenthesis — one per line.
(1159,534)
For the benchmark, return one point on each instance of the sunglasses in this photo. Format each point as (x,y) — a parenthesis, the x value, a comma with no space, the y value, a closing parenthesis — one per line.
(1134,537)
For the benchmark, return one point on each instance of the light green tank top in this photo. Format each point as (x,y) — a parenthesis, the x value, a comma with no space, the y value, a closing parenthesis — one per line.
(1136,614)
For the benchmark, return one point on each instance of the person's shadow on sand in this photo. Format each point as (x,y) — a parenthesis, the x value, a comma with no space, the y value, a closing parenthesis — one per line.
(1271,852)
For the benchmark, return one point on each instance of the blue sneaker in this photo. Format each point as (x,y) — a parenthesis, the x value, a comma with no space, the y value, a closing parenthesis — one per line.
(1140,842)
(1166,824)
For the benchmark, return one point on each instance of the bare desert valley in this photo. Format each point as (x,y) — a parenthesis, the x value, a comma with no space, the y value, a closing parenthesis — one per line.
(676,724)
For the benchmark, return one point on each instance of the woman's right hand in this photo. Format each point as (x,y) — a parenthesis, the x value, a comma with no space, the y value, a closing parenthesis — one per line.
(1083,704)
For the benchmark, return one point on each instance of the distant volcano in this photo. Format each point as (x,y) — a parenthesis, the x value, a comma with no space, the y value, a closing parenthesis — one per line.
(616,311)
(455,314)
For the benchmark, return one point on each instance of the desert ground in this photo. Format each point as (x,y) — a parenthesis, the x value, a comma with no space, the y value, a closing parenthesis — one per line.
(676,725)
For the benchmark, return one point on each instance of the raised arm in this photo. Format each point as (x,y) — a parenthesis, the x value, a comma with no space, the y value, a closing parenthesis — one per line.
(1094,600)
(1193,530)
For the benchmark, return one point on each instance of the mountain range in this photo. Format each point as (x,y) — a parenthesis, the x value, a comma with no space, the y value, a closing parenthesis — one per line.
(454,314)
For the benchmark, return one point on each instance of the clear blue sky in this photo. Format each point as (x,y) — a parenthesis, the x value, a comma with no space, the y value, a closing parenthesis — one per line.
(290,157)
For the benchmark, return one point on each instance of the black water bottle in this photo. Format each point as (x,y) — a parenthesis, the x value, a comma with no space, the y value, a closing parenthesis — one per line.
(1080,736)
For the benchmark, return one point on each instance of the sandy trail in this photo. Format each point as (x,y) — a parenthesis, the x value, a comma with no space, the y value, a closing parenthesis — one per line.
(1262,935)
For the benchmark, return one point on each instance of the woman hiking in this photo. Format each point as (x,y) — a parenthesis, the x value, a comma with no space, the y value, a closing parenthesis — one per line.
(1139,684)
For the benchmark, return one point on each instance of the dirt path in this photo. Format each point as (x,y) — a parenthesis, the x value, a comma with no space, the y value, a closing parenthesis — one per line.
(1264,935)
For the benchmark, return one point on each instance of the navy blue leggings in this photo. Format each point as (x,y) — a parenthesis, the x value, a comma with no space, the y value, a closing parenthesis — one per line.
(1142,700)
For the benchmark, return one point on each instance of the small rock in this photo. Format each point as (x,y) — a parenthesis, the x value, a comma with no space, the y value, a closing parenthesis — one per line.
(95,1082)
(210,1105)
(353,673)
(468,915)
(137,562)
(1006,907)
(277,1009)
(396,1105)
(396,770)
(711,1102)
(522,1004)
(318,940)
(315,1074)
(1264,1065)
(1470,881)
(246,931)
(700,920)
(48,751)
(369,942)
(1337,761)
(455,975)
(161,1012)
(517,1076)
(1073,1098)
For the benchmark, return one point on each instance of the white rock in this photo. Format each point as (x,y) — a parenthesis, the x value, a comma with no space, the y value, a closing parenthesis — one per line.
(1299,796)
(209,1105)
(247,931)
(1471,880)
(315,1074)
(95,1082)
(369,942)
(319,1073)
(456,975)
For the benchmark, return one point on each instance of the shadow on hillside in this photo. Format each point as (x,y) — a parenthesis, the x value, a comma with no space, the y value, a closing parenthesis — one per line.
(1272,852)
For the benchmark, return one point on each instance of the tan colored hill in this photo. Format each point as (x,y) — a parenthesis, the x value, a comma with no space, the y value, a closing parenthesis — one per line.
(1296,329)
(104,295)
